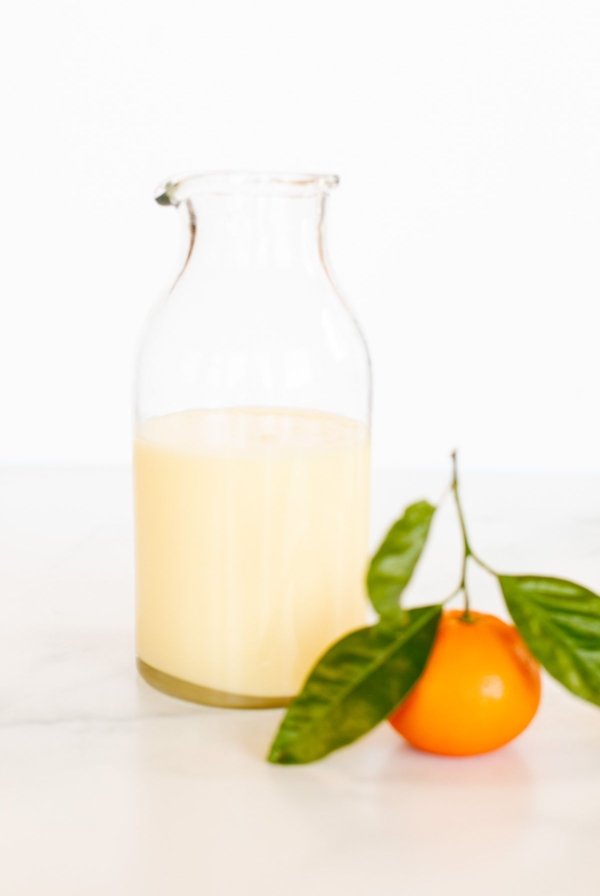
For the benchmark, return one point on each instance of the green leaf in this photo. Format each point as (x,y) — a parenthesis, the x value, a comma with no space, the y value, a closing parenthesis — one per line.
(395,561)
(355,685)
(560,623)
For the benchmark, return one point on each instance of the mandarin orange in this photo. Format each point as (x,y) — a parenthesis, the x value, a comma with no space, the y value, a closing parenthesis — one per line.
(480,689)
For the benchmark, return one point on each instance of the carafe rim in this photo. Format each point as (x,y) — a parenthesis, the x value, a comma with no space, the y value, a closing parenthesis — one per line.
(245,183)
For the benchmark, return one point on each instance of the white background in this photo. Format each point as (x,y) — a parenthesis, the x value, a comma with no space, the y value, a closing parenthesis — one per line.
(465,232)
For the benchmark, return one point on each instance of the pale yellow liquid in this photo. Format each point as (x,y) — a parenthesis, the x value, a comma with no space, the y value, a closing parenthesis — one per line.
(252,544)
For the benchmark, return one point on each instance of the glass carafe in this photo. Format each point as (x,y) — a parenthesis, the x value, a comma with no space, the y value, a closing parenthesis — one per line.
(251,449)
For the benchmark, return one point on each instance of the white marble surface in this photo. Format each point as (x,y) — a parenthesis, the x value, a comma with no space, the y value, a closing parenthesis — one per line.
(107,787)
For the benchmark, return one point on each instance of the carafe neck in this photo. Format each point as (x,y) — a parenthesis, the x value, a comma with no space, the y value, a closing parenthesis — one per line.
(246,221)
(256,232)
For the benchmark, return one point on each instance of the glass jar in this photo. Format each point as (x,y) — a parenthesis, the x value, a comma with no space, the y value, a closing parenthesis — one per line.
(251,449)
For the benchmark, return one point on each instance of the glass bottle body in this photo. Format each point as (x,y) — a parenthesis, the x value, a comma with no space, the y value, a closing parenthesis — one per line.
(251,450)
